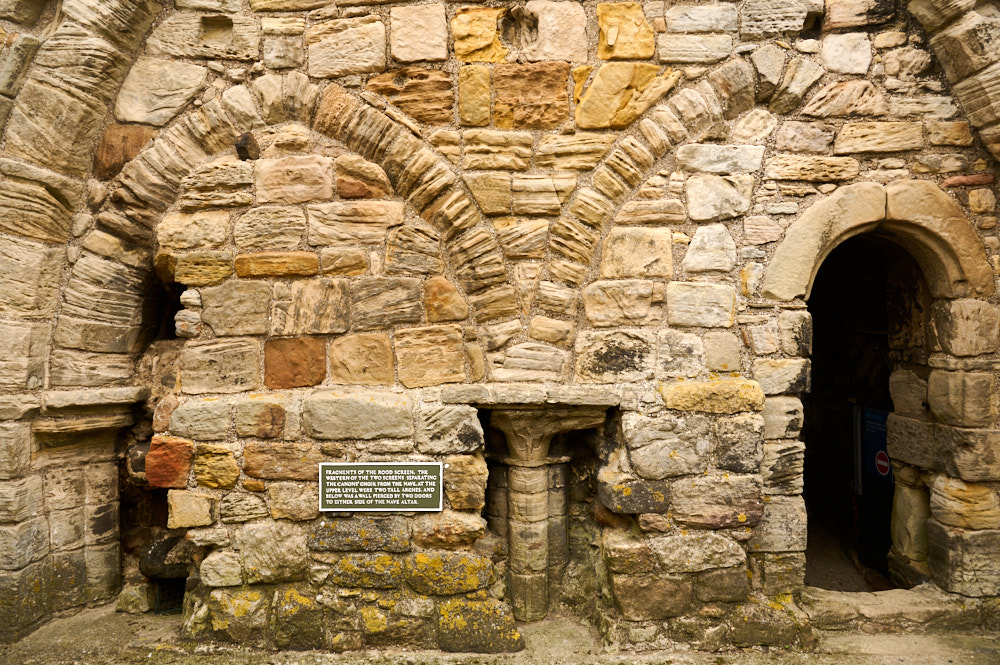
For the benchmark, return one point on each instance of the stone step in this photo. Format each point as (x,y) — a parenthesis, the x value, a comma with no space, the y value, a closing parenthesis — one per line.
(925,606)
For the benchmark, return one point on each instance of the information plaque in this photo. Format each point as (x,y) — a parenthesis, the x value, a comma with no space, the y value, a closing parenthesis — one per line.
(361,486)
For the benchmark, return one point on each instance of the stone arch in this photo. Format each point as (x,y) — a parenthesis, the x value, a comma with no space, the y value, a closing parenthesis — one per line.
(915,214)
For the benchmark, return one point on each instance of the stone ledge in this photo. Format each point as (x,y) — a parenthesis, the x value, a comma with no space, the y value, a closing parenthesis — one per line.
(499,394)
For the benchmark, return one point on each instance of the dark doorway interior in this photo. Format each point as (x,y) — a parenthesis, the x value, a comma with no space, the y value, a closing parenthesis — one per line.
(868,304)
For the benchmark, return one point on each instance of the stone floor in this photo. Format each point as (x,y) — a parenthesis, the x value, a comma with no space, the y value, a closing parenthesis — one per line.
(103,637)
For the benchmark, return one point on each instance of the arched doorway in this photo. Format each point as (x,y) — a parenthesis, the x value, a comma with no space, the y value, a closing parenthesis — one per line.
(869,306)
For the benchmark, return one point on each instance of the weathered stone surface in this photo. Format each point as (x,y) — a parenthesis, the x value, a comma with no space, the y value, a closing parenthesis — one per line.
(712,198)
(614,357)
(739,441)
(966,327)
(236,308)
(196,35)
(475,34)
(488,149)
(294,179)
(448,430)
(846,98)
(267,228)
(259,417)
(878,137)
(667,446)
(418,33)
(624,32)
(695,304)
(377,303)
(203,268)
(281,461)
(580,151)
(294,362)
(424,94)
(186,509)
(694,551)
(857,13)
(430,356)
(474,95)
(352,222)
(313,307)
(620,93)
(448,529)
(783,417)
(119,145)
(962,561)
(346,46)
(963,399)
(710,158)
(956,503)
(292,501)
(762,18)
(561,31)
(219,366)
(447,573)
(724,396)
(215,466)
(800,75)
(27,276)
(649,598)
(331,415)
(530,96)
(847,53)
(637,252)
(711,249)
(783,528)
(702,18)
(180,230)
(623,493)
(717,502)
(156,90)
(681,354)
(272,551)
(813,169)
(168,461)
(343,261)
(203,419)
(619,303)
(782,467)
(220,569)
(693,49)
(364,359)
(481,626)
(722,352)
(522,238)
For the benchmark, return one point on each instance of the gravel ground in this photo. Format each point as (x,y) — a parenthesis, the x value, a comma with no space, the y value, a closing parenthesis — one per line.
(101,636)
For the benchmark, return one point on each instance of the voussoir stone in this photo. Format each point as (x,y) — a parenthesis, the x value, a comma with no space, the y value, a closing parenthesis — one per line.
(332,415)
(156,90)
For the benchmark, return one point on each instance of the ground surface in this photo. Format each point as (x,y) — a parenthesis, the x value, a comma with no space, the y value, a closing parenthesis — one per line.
(103,637)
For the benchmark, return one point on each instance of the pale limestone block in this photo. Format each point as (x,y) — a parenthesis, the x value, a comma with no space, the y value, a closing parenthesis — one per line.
(711,249)
(712,198)
(638,252)
(847,53)
(562,31)
(418,32)
(696,304)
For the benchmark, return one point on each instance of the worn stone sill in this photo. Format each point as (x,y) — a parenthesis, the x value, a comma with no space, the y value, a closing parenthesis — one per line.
(497,394)
(926,607)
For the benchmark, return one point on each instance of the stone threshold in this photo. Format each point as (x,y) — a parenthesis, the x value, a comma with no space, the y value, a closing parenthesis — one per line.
(925,608)
(496,394)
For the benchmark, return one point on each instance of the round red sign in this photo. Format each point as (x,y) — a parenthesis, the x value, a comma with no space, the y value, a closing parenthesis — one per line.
(882,463)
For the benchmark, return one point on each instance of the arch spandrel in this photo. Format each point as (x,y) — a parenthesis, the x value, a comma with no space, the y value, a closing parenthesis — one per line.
(916,214)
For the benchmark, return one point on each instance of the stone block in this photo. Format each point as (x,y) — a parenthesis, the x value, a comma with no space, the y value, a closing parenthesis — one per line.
(295,179)
(724,584)
(332,415)
(313,307)
(638,252)
(269,228)
(619,303)
(813,169)
(474,96)
(27,276)
(15,449)
(722,352)
(624,32)
(426,95)
(693,49)
(430,356)
(260,418)
(240,614)
(219,366)
(22,604)
(215,466)
(281,461)
(702,18)
(739,442)
(712,198)
(878,137)
(680,354)
(910,512)
(623,553)
(277,264)
(783,527)
(799,76)
(782,467)
(711,250)
(238,507)
(196,35)
(963,399)
(357,178)
(202,268)
(612,357)
(346,46)
(964,561)
(621,493)
(775,573)
(294,362)
(908,392)
(168,461)
(203,419)
(193,230)
(561,29)
(156,90)
(846,53)
(723,396)
(367,571)
(445,430)
(480,626)
(796,136)
(777,376)
(361,534)
(465,482)
(620,92)
(361,359)
(476,35)
(447,573)
(351,222)
(966,327)
(236,308)
(378,303)
(221,569)
(667,446)
(418,33)
(693,551)
(645,598)
(717,502)
(272,551)
(763,18)
(703,305)
(721,159)
(449,529)
(186,508)
(857,13)
(956,503)
(23,543)
(530,96)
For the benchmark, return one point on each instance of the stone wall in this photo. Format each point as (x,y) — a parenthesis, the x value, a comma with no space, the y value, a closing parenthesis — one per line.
(381,225)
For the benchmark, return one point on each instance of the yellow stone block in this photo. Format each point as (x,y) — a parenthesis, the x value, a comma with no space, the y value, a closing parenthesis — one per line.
(724,396)
(477,39)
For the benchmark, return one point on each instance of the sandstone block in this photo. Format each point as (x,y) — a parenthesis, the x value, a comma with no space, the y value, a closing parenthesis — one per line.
(418,33)
(620,93)
(15,449)
(646,598)
(448,430)
(268,228)
(530,96)
(238,507)
(717,502)
(963,505)
(963,399)
(474,95)
(259,418)
(187,509)
(712,198)
(696,304)
(783,417)
(910,512)
(215,466)
(345,261)
(723,159)
(430,356)
(777,376)
(574,152)
(722,352)
(197,35)
(621,493)
(425,94)
(611,357)
(562,31)
(346,46)
(21,500)
(331,415)
(168,461)
(219,366)
(702,18)
(193,230)
(624,32)
(711,249)
(281,461)
(799,76)
(667,446)
(156,90)
(813,169)
(761,18)
(313,307)
(203,268)
(739,442)
(482,626)
(294,179)
(681,354)
(488,149)
(353,222)
(378,303)
(277,264)
(783,528)
(637,252)
(696,550)
(272,551)
(292,501)
(221,569)
(962,561)
(202,419)
(619,303)
(294,362)
(23,543)
(782,467)
(847,53)
(693,49)
(724,396)
(475,34)
(236,308)
(878,137)
(365,359)
(966,327)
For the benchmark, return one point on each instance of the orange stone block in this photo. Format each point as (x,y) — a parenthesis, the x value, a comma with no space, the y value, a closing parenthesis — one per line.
(168,461)
(294,362)
(277,264)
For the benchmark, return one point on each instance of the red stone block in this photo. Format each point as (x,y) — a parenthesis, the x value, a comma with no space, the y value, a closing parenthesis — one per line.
(168,461)
(293,362)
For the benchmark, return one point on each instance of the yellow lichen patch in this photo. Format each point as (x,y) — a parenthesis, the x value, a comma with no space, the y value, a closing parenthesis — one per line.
(373,620)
